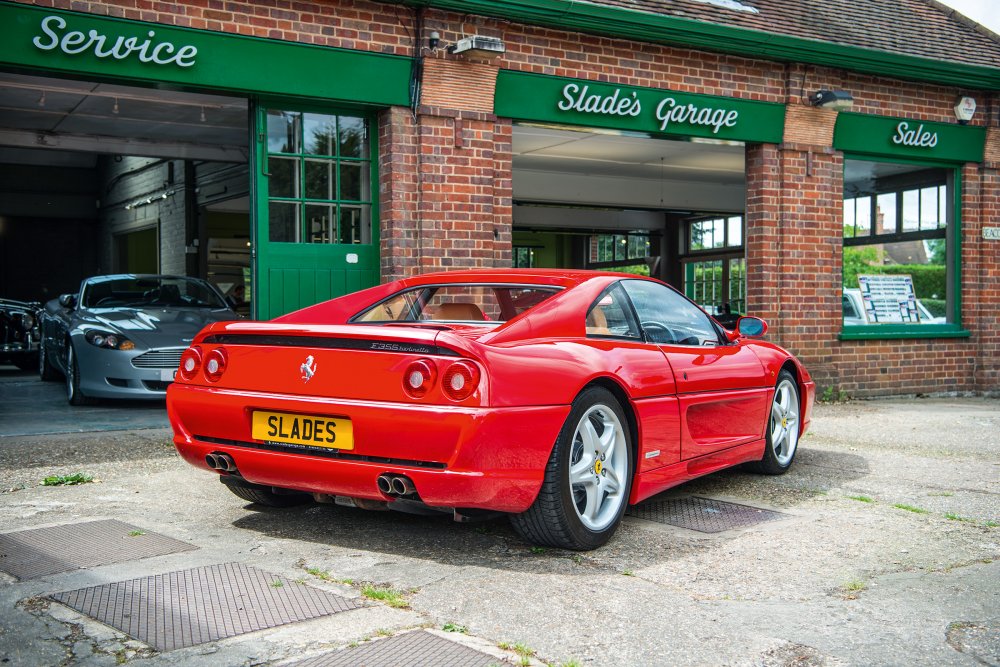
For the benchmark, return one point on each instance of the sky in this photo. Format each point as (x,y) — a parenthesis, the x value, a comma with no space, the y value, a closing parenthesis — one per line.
(986,12)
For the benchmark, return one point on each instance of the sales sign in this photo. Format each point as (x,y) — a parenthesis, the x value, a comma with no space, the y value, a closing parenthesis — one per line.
(889,299)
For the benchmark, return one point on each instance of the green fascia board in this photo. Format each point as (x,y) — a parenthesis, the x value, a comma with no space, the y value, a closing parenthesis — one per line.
(903,331)
(655,111)
(677,31)
(30,39)
(908,138)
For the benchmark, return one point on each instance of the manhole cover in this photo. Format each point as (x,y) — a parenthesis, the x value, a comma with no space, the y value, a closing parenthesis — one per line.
(179,609)
(703,514)
(413,648)
(28,554)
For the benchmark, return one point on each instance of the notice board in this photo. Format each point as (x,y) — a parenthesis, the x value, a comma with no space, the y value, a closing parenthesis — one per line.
(889,299)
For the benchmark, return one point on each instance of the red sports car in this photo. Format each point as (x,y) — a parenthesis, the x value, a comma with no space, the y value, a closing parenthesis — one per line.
(558,397)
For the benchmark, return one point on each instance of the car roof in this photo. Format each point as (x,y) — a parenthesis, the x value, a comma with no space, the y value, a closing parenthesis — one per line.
(137,276)
(555,277)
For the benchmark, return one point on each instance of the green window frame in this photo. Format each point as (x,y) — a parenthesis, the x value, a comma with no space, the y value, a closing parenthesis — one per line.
(322,176)
(901,230)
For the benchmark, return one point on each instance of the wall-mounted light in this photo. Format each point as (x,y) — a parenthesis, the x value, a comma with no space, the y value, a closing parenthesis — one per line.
(839,100)
(434,40)
(965,109)
(478,46)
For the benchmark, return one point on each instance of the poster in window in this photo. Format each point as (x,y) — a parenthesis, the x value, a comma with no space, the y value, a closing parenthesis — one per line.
(889,299)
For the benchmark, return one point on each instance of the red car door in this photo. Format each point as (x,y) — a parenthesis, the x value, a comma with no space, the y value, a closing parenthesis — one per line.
(722,388)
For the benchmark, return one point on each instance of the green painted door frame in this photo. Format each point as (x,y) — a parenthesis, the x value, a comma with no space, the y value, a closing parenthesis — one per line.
(288,275)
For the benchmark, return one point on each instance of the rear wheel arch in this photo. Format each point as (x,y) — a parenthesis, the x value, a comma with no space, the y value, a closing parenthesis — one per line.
(626,405)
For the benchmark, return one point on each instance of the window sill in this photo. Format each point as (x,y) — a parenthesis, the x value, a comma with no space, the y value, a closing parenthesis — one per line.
(903,331)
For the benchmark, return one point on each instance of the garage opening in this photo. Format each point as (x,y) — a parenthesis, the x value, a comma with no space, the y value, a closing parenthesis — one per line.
(628,201)
(98,178)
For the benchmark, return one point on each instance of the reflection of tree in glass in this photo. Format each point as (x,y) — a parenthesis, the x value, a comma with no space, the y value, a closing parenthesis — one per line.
(352,137)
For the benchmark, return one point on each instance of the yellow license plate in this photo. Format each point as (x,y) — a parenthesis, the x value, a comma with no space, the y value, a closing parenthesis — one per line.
(305,430)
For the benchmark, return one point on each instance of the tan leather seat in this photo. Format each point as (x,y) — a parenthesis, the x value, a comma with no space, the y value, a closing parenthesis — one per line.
(458,311)
(597,323)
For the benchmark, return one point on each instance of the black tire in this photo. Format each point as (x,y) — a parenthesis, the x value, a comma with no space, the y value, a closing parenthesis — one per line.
(263,495)
(45,370)
(555,518)
(778,456)
(73,393)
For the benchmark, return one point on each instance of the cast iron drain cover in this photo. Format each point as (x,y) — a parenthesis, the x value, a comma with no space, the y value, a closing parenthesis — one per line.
(28,554)
(413,648)
(180,609)
(703,514)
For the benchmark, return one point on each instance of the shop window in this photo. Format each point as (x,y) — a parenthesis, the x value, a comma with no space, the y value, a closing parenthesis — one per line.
(620,252)
(320,180)
(898,222)
(524,257)
(715,266)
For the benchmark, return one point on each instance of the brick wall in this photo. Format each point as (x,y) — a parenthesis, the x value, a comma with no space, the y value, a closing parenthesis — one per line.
(445,170)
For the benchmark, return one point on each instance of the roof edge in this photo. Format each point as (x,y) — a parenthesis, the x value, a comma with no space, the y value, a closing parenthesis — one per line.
(587,17)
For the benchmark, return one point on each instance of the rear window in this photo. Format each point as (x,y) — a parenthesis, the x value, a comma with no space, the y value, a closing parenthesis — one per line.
(483,304)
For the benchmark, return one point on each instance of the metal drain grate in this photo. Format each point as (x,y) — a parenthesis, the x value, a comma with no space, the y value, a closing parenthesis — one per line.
(189,607)
(413,648)
(703,514)
(28,554)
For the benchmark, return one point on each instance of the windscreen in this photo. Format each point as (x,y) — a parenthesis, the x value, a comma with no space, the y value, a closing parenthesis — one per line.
(151,292)
(472,303)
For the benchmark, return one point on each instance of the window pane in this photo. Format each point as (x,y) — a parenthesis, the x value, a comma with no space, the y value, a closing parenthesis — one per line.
(929,208)
(885,223)
(667,317)
(353,137)
(350,181)
(283,132)
(850,221)
(320,223)
(319,133)
(283,221)
(737,287)
(863,215)
(320,179)
(911,210)
(355,224)
(284,180)
(611,316)
(942,206)
(879,271)
(735,231)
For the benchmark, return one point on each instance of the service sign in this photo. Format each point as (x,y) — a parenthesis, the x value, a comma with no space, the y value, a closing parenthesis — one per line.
(908,138)
(564,101)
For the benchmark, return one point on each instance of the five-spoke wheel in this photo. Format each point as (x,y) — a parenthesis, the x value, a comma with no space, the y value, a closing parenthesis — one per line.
(782,428)
(587,479)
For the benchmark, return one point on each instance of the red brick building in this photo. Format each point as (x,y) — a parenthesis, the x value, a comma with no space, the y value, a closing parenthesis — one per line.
(297,150)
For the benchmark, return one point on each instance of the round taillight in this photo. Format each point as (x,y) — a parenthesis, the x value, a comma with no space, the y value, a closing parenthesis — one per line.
(190,363)
(419,378)
(460,380)
(215,364)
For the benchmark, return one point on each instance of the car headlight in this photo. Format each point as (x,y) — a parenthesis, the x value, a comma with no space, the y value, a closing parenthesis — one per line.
(108,340)
(27,321)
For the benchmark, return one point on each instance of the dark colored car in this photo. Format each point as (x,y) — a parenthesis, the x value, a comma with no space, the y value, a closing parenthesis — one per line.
(122,336)
(19,333)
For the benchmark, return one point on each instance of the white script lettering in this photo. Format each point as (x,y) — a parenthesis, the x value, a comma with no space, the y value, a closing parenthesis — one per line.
(668,110)
(578,99)
(918,137)
(74,42)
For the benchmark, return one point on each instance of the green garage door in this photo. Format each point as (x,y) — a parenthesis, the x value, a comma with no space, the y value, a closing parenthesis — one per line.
(317,217)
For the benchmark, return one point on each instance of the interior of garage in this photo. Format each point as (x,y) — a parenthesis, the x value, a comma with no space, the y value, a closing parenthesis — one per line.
(99,178)
(627,201)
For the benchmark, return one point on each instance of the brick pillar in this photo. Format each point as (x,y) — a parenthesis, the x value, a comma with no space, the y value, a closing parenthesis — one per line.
(981,265)
(397,193)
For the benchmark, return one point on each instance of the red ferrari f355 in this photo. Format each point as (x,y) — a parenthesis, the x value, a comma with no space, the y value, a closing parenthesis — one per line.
(558,397)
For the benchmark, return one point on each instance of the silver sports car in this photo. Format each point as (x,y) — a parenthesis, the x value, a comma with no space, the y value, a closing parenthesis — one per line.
(122,336)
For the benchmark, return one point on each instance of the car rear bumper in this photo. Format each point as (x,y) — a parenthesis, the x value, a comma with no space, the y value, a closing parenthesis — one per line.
(483,458)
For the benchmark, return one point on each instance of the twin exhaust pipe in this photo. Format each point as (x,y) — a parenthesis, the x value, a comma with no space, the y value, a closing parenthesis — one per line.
(221,462)
(396,485)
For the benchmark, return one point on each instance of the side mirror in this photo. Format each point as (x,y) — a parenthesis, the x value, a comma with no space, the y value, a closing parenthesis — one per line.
(68,301)
(751,327)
